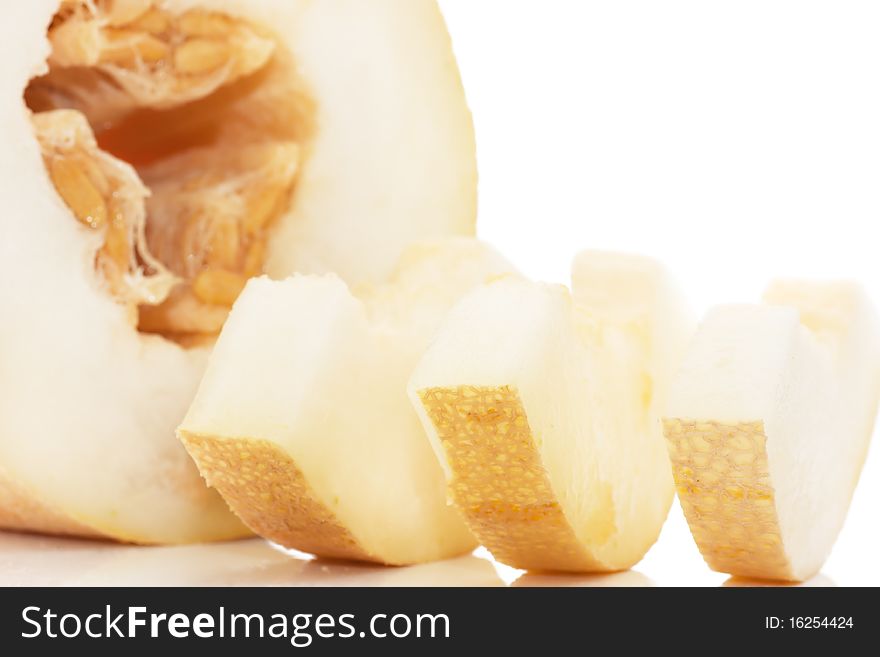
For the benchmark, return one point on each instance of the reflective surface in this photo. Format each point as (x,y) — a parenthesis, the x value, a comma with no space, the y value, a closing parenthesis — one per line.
(30,560)
(43,561)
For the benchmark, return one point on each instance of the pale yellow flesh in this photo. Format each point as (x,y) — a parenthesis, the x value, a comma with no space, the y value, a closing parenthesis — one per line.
(306,428)
(21,510)
(499,482)
(723,483)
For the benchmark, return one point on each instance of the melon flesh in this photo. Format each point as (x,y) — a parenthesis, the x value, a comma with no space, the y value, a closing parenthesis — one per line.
(165,152)
(305,427)
(768,426)
(543,407)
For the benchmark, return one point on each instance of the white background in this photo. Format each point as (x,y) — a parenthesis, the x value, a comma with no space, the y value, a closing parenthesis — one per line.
(736,141)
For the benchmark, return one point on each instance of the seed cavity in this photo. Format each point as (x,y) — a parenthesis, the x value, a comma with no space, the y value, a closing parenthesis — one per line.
(178,237)
(156,58)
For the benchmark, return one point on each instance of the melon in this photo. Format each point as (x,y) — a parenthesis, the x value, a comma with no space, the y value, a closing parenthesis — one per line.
(543,404)
(157,155)
(303,423)
(768,426)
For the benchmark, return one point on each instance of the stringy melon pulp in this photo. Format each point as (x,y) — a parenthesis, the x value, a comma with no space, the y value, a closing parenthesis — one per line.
(177,139)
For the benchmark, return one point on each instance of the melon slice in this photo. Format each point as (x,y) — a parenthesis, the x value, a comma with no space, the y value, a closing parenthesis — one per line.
(302,421)
(165,152)
(768,426)
(543,408)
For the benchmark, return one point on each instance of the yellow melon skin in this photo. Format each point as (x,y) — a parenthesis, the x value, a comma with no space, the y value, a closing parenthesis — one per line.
(723,483)
(500,483)
(89,406)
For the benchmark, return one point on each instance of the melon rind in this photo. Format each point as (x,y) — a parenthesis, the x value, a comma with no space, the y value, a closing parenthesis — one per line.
(542,405)
(768,426)
(305,427)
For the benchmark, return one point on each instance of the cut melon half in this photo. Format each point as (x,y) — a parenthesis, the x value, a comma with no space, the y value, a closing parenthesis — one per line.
(302,421)
(768,426)
(543,407)
(157,154)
